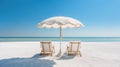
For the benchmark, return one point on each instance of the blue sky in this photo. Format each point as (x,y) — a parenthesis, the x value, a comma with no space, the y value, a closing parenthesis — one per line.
(19,18)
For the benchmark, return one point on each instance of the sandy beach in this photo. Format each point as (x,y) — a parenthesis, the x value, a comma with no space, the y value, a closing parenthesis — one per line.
(26,54)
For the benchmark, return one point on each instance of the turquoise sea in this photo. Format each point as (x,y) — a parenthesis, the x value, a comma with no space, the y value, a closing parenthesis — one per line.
(83,39)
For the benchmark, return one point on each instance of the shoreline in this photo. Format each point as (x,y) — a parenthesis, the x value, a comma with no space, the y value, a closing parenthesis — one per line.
(64,39)
(59,41)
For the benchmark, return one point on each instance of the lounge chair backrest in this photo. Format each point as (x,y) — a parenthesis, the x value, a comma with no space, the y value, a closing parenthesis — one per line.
(46,46)
(74,46)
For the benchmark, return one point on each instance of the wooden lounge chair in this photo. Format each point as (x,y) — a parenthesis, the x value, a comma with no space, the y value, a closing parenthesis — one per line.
(47,48)
(74,48)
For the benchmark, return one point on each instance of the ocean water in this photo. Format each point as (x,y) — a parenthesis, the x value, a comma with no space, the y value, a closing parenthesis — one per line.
(83,39)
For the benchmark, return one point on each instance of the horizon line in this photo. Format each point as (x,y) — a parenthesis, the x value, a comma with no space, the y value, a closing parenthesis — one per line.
(49,36)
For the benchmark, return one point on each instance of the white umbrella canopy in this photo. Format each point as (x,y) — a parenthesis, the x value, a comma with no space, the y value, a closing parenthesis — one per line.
(60,22)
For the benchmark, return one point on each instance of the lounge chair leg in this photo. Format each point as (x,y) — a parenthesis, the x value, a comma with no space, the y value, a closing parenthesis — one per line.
(80,54)
(68,53)
(50,54)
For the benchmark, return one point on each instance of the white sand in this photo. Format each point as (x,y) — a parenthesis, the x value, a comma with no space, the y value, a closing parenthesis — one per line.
(26,54)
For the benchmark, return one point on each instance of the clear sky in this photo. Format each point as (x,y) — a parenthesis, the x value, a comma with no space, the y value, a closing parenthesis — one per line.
(20,17)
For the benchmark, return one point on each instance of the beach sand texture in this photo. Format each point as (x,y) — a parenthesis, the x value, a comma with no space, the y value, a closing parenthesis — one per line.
(26,54)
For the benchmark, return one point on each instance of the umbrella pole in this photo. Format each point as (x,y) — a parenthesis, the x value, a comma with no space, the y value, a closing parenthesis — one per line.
(60,37)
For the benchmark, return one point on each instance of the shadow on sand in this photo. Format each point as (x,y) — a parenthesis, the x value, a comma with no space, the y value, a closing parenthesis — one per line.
(66,57)
(39,56)
(34,61)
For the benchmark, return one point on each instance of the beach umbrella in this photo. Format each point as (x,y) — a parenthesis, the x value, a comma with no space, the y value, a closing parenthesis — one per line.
(60,22)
